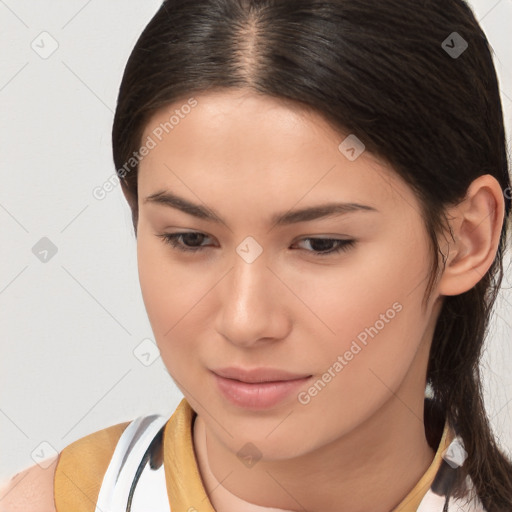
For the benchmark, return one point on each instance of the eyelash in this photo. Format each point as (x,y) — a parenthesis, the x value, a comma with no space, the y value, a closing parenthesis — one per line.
(172,239)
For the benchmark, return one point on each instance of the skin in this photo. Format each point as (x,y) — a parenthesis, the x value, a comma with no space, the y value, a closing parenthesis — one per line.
(30,489)
(247,157)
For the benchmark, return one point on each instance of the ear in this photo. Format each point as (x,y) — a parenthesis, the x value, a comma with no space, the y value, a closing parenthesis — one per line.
(476,225)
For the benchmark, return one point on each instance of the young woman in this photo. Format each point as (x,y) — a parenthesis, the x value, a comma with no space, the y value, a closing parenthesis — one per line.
(320,194)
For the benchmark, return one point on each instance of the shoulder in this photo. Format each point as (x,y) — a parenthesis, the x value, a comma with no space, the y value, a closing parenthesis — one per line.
(70,481)
(30,489)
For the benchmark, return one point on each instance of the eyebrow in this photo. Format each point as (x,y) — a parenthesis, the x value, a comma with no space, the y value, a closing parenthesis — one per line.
(171,200)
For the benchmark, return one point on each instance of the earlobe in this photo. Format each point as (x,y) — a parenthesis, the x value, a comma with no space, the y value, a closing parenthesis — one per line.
(476,225)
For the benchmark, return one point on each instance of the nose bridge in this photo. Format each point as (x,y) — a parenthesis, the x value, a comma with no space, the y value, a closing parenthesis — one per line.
(248,309)
(249,277)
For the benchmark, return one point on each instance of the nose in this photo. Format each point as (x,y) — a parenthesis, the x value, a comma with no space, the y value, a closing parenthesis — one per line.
(252,304)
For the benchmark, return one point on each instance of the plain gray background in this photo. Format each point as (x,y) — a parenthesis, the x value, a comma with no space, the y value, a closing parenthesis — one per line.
(74,327)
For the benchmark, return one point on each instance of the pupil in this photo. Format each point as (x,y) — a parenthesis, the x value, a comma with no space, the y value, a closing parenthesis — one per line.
(323,244)
(194,238)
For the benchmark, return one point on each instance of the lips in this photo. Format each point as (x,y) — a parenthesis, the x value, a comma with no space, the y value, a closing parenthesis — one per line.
(258,388)
(258,375)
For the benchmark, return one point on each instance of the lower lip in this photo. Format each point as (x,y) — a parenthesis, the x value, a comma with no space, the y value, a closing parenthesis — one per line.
(257,396)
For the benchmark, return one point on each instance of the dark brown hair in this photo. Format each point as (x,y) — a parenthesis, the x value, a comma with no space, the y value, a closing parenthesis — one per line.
(379,70)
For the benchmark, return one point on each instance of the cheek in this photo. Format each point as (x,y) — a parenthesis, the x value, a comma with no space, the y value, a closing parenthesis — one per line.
(171,295)
(171,298)
(157,281)
(350,297)
(373,323)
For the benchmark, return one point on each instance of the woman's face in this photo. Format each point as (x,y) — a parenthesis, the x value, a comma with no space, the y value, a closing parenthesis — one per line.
(260,293)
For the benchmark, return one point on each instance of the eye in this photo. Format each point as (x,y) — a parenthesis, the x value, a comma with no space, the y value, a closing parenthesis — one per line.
(191,242)
(321,246)
(191,236)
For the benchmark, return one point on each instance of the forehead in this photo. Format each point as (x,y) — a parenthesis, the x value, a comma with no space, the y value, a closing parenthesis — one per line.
(241,119)
(259,145)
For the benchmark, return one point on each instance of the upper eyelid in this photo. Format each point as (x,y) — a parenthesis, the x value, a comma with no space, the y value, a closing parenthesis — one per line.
(302,237)
(335,238)
(343,245)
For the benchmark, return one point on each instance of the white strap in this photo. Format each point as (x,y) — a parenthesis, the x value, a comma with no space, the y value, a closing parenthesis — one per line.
(151,491)
(126,459)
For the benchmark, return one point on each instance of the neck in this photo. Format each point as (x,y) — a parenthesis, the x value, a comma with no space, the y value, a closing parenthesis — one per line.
(372,468)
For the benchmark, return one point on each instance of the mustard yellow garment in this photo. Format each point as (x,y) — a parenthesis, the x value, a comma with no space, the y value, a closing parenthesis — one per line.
(82,465)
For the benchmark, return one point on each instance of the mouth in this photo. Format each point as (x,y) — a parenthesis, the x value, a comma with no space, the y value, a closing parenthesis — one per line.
(258,375)
(257,389)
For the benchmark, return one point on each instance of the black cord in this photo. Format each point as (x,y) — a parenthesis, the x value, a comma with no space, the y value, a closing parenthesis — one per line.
(445,508)
(148,456)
